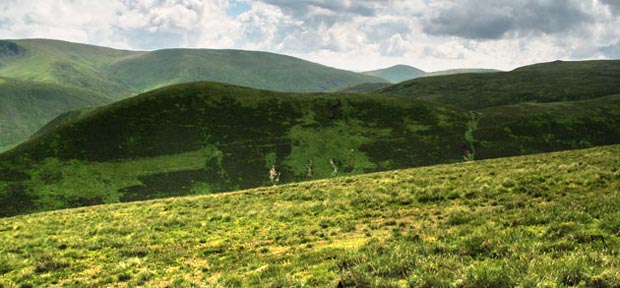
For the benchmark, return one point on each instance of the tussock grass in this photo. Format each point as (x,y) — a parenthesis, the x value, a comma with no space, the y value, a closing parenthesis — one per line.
(484,228)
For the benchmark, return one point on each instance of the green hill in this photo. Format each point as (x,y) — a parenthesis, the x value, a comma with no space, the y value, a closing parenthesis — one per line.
(120,73)
(458,71)
(69,64)
(247,68)
(397,73)
(548,220)
(221,137)
(362,88)
(547,82)
(192,138)
(400,73)
(26,106)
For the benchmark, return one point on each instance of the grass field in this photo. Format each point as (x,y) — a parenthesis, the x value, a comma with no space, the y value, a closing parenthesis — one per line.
(548,220)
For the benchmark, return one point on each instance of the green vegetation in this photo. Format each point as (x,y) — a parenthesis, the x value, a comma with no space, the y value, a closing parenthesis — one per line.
(543,127)
(209,137)
(541,220)
(247,68)
(458,71)
(26,106)
(363,88)
(548,82)
(234,135)
(120,73)
(400,73)
(86,72)
(397,73)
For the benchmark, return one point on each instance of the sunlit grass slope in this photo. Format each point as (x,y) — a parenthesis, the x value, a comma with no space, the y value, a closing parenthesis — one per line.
(545,82)
(547,220)
(121,73)
(26,106)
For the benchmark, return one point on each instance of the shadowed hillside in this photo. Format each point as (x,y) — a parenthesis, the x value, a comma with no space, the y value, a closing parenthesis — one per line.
(222,137)
(540,220)
(26,106)
(548,82)
(198,137)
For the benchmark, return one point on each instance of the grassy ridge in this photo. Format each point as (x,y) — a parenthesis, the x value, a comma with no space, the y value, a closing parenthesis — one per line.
(25,106)
(121,73)
(398,73)
(548,82)
(193,138)
(247,68)
(65,63)
(548,219)
(235,134)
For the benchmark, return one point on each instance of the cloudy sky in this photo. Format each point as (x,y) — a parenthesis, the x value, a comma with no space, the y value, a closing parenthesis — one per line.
(348,34)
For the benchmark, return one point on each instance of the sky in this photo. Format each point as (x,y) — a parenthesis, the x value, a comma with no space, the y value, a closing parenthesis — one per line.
(356,35)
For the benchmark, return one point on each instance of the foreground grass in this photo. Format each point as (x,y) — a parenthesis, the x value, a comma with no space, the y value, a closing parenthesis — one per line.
(550,220)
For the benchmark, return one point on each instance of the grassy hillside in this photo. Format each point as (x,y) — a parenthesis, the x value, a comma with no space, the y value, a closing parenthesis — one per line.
(26,106)
(458,71)
(69,64)
(548,82)
(247,68)
(362,88)
(542,127)
(396,74)
(120,73)
(546,220)
(191,138)
(400,73)
(220,137)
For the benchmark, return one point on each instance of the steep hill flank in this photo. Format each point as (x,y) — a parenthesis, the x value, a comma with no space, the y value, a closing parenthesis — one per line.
(25,106)
(191,138)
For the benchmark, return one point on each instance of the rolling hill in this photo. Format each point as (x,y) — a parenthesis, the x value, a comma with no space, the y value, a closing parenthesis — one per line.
(539,220)
(221,137)
(459,71)
(400,73)
(26,106)
(547,82)
(121,73)
(191,138)
(362,88)
(397,73)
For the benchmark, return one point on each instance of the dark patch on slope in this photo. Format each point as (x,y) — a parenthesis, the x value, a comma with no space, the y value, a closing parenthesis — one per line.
(10,49)
(164,185)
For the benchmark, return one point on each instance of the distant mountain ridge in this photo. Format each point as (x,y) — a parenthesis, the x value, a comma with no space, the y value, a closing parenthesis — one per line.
(110,74)
(122,73)
(400,73)
(397,73)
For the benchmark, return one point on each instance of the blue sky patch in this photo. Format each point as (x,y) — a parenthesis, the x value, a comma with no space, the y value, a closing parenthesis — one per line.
(237,7)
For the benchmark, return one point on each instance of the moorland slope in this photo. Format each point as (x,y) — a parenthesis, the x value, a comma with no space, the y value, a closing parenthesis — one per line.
(538,220)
